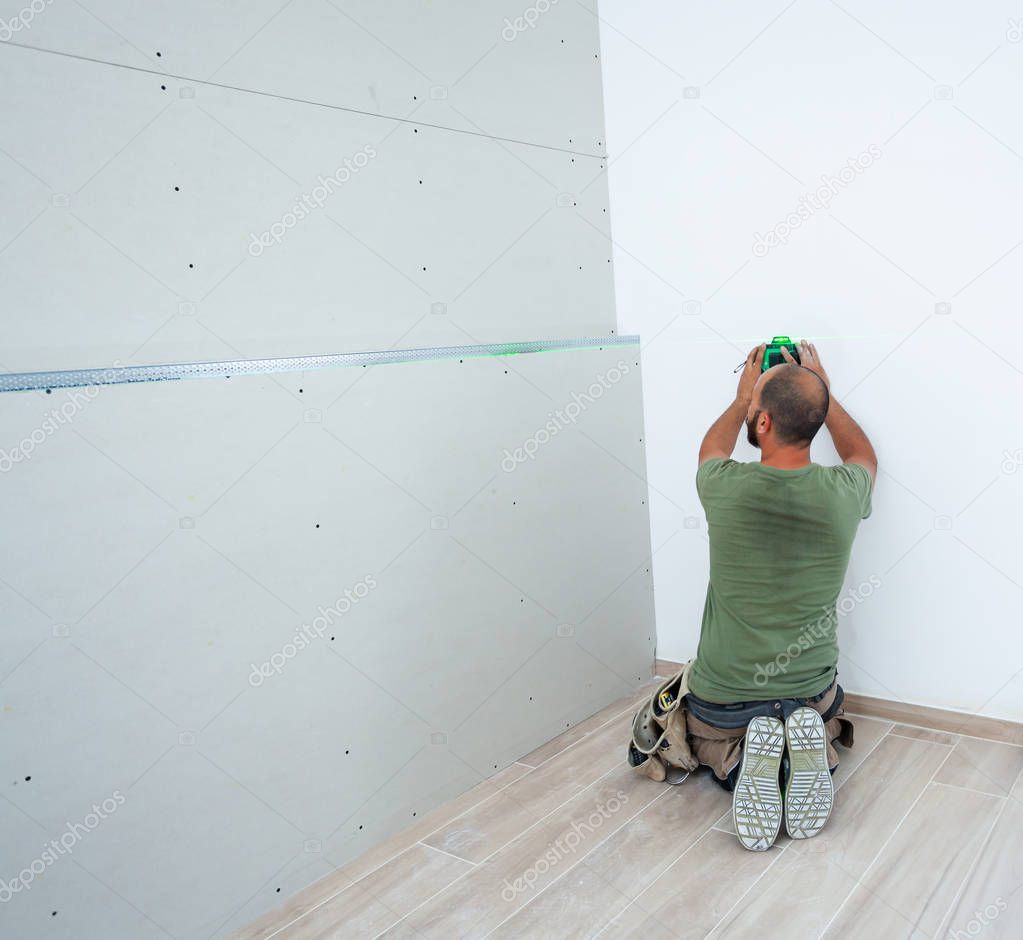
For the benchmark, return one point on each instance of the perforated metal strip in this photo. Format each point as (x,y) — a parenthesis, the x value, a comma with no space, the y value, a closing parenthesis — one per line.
(121,375)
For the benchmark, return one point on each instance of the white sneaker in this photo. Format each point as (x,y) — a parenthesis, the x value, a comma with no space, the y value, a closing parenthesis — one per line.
(756,799)
(809,791)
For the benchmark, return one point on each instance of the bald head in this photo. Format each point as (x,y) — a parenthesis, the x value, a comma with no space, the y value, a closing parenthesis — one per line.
(796,400)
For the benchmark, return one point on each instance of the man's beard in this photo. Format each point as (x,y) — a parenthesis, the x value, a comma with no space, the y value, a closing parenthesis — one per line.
(751,429)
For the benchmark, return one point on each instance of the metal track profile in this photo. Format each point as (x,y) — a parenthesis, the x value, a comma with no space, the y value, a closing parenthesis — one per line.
(169,372)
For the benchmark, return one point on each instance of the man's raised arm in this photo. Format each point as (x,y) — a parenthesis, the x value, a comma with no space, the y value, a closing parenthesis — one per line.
(719,441)
(852,444)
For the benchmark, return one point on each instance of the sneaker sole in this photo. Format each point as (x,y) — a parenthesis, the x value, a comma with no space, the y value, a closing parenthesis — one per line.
(810,792)
(756,801)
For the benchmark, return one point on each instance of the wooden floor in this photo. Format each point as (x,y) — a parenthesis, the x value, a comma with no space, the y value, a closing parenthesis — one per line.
(925,840)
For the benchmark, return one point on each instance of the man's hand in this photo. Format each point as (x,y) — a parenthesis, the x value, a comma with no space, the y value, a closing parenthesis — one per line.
(750,374)
(808,359)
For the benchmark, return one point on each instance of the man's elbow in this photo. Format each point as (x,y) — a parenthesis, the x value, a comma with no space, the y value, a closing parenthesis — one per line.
(866,460)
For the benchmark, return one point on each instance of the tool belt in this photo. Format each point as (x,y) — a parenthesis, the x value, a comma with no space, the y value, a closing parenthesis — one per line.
(659,747)
(740,714)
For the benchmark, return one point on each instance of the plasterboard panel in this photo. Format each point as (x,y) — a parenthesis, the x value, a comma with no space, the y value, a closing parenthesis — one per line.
(446,64)
(174,219)
(507,602)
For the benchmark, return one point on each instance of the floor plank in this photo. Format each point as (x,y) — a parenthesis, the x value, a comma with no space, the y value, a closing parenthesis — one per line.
(695,892)
(622,866)
(991,902)
(794,900)
(926,734)
(573,909)
(869,732)
(983,765)
(519,871)
(905,889)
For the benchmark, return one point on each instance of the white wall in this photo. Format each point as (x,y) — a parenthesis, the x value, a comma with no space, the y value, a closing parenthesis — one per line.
(720,118)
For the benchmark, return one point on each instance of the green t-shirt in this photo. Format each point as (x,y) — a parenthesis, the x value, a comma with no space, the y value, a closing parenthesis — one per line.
(779,548)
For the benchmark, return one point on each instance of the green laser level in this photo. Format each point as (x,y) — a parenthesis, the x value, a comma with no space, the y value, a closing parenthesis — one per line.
(772,354)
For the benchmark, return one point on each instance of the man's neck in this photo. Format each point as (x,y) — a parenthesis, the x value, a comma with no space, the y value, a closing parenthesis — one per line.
(786,458)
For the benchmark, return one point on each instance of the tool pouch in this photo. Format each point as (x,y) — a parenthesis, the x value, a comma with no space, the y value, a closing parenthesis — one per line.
(659,747)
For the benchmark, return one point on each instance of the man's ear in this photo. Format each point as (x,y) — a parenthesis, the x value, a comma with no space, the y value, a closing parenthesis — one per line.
(764,423)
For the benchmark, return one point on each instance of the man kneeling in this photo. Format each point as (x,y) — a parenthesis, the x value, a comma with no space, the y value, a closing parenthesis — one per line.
(764,706)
